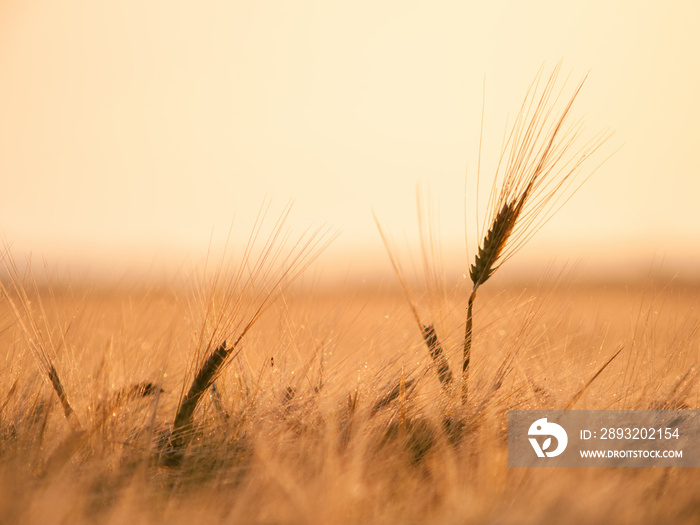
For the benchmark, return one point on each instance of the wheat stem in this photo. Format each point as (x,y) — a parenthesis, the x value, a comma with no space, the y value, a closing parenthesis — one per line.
(467,349)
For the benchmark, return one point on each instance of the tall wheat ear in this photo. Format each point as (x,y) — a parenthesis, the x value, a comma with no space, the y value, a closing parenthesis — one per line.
(232,301)
(540,167)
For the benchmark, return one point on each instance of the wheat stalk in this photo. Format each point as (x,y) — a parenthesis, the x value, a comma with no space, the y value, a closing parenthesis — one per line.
(245,299)
(536,171)
(37,330)
(430,338)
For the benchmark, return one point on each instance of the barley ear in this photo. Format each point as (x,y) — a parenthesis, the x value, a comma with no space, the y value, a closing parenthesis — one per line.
(437,355)
(62,397)
(484,267)
(202,381)
(495,241)
(430,337)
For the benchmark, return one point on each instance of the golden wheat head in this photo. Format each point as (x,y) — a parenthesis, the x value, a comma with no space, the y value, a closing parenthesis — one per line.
(536,171)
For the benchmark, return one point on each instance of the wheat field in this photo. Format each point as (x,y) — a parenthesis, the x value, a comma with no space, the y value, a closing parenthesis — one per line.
(242,391)
(332,411)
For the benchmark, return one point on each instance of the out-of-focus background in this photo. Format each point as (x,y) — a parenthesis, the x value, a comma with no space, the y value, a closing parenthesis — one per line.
(130,131)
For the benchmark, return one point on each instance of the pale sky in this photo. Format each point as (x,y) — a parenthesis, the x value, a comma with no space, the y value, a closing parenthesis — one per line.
(130,130)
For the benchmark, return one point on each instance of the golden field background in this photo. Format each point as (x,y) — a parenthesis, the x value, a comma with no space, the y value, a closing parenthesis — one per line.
(296,436)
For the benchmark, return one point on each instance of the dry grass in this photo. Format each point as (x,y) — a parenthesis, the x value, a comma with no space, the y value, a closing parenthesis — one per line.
(350,447)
